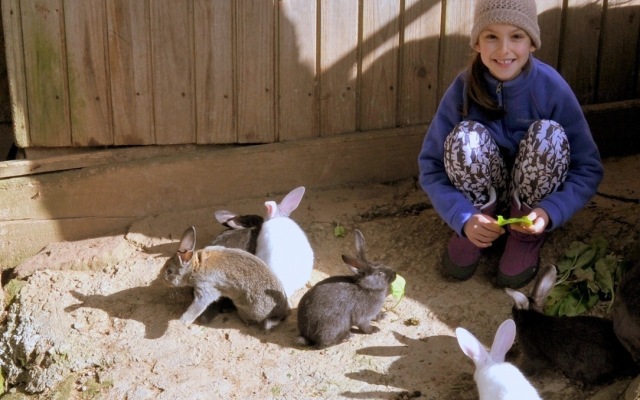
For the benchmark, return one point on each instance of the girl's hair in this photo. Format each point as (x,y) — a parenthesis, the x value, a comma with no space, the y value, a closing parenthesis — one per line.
(476,90)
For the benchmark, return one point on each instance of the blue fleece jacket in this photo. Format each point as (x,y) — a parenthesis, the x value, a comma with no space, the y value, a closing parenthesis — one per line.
(539,92)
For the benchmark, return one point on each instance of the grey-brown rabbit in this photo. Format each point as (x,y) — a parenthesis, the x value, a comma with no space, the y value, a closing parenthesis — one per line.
(328,310)
(218,271)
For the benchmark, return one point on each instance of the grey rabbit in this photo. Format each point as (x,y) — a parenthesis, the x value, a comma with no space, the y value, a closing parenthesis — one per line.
(328,311)
(218,271)
(242,232)
(584,348)
(625,311)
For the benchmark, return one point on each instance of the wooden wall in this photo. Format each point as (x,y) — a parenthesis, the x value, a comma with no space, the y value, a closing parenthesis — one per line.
(86,73)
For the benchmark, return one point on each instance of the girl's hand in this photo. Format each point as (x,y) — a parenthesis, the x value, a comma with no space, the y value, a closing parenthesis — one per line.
(482,230)
(540,220)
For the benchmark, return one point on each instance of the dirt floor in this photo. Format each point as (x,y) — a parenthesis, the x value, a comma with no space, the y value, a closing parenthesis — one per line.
(92,324)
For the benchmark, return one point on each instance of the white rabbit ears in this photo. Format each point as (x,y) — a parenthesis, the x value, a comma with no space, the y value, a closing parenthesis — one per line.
(288,204)
(223,216)
(543,286)
(502,342)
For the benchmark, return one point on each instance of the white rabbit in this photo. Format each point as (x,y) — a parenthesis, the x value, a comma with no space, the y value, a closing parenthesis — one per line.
(495,378)
(283,245)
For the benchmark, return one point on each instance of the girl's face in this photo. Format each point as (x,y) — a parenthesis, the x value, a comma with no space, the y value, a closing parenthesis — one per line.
(504,49)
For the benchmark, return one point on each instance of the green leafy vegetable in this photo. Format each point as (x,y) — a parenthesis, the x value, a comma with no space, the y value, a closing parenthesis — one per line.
(586,275)
(338,231)
(397,287)
(522,220)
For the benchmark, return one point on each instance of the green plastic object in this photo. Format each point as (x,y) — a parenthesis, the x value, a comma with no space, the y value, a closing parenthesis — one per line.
(522,220)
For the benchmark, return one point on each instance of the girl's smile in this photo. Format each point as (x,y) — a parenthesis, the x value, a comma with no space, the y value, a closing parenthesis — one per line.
(504,50)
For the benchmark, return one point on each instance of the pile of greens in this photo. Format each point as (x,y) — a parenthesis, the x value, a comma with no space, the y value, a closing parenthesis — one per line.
(587,273)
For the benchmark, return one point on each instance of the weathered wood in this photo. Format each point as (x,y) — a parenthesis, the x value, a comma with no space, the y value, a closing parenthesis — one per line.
(578,58)
(550,22)
(173,80)
(16,70)
(419,60)
(256,65)
(62,159)
(455,51)
(46,73)
(616,78)
(130,72)
(89,95)
(214,65)
(89,202)
(44,160)
(379,81)
(338,66)
(203,71)
(297,59)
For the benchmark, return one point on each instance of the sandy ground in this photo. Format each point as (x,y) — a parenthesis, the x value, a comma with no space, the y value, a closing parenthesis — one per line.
(91,323)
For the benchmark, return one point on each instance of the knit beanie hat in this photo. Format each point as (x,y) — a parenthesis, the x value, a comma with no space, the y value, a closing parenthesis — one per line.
(520,13)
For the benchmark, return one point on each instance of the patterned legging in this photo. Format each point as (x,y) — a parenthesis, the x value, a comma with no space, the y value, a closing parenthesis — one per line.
(474,164)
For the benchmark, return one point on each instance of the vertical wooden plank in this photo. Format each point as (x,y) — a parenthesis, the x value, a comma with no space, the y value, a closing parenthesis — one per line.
(298,100)
(173,82)
(213,28)
(46,72)
(255,64)
(579,56)
(130,72)
(379,90)
(12,26)
(89,95)
(616,80)
(338,65)
(418,78)
(550,21)
(455,50)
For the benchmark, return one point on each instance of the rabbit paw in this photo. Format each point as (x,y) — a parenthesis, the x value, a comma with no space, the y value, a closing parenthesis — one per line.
(368,329)
(380,316)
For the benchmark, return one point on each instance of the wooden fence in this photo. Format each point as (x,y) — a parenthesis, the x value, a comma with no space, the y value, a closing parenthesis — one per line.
(137,72)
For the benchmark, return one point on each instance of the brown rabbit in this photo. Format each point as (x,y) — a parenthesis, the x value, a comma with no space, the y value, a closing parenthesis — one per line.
(218,271)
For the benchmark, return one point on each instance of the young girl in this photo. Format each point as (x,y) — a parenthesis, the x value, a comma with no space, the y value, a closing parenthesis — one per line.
(508,136)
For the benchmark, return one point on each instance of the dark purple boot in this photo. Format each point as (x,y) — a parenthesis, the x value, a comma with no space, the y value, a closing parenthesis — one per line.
(519,262)
(460,260)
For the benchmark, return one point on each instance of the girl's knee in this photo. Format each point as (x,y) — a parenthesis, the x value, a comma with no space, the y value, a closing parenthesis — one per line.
(469,133)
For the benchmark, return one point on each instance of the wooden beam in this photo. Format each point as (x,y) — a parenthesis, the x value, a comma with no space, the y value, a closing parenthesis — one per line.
(108,196)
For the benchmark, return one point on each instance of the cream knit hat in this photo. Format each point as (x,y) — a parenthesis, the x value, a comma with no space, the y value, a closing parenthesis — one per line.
(520,13)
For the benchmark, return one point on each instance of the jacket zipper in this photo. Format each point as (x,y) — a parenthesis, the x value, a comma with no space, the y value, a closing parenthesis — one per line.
(499,93)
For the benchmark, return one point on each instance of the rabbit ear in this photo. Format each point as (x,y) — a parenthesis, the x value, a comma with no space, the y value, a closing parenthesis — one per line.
(272,209)
(290,202)
(543,286)
(356,265)
(187,245)
(522,302)
(360,245)
(472,347)
(223,216)
(502,342)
